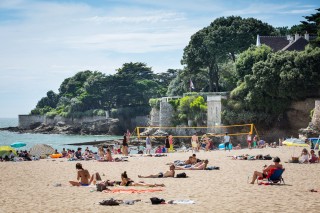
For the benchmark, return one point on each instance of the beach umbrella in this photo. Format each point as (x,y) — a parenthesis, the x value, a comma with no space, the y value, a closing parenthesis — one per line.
(295,142)
(18,144)
(41,149)
(5,150)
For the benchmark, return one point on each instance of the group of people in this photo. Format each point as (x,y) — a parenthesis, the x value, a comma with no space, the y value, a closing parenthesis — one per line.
(307,157)
(20,156)
(168,145)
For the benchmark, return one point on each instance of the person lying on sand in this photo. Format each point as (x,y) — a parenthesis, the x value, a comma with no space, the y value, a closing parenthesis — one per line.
(169,173)
(266,170)
(199,166)
(84,176)
(125,181)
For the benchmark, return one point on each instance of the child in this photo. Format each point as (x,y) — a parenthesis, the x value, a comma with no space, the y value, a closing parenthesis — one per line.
(313,157)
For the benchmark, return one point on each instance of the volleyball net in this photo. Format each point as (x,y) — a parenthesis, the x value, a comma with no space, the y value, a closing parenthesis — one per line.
(187,132)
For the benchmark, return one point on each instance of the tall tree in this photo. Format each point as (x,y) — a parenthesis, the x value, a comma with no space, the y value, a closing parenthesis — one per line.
(222,40)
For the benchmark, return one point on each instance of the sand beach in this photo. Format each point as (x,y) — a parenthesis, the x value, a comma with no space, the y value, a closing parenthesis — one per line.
(30,186)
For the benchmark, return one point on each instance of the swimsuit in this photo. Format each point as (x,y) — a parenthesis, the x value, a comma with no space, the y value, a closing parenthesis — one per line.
(84,184)
(160,175)
(128,183)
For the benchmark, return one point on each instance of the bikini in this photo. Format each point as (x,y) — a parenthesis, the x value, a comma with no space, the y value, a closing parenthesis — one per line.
(129,182)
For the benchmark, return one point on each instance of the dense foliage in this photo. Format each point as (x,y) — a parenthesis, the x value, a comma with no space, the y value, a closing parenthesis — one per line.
(93,93)
(268,85)
(189,108)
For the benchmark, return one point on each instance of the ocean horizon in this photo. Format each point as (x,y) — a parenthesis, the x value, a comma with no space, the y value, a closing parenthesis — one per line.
(57,141)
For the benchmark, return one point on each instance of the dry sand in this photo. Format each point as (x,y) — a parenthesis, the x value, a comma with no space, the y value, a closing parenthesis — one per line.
(29,186)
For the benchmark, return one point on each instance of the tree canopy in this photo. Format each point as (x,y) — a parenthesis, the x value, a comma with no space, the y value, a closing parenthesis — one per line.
(222,40)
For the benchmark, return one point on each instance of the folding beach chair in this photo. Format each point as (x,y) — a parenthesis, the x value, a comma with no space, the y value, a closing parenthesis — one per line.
(274,177)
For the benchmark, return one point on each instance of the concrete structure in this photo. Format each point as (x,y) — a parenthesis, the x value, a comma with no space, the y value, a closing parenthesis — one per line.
(214,109)
(316,115)
(166,111)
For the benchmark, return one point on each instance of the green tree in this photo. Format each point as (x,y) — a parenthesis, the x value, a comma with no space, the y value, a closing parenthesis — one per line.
(221,41)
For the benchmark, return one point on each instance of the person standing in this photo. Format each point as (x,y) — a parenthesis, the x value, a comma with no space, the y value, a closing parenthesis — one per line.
(148,144)
(171,143)
(255,140)
(226,140)
(125,145)
(194,142)
(249,140)
(167,143)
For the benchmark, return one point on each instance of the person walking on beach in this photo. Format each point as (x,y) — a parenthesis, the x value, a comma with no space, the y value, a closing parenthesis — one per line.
(226,140)
(148,144)
(194,142)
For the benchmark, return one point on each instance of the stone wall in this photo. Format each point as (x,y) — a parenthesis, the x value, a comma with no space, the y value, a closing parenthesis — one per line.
(25,121)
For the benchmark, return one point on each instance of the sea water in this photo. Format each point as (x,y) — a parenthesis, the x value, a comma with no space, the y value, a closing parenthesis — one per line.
(57,141)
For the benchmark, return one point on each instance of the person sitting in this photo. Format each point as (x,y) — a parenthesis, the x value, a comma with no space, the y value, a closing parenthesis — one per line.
(266,170)
(64,152)
(78,154)
(11,155)
(159,150)
(313,157)
(198,166)
(304,157)
(125,181)
(108,155)
(56,152)
(169,173)
(238,146)
(82,175)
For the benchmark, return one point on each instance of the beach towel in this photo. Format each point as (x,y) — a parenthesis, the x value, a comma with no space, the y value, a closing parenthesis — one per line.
(181,202)
(212,168)
(132,191)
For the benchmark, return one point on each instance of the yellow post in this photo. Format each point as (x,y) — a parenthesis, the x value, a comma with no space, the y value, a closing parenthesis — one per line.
(251,129)
(138,133)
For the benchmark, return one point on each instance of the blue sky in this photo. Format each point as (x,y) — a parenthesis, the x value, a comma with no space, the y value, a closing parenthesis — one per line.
(44,42)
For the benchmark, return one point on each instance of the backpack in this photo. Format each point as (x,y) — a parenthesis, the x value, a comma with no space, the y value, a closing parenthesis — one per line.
(110,202)
(155,201)
(181,175)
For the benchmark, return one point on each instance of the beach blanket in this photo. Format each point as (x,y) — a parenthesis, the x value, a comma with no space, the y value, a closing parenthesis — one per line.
(132,191)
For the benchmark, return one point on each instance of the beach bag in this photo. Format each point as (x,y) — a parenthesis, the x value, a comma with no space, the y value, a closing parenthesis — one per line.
(101,186)
(267,157)
(156,201)
(110,202)
(181,175)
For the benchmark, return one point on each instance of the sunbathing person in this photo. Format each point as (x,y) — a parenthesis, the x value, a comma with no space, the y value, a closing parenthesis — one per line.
(199,166)
(125,181)
(84,176)
(266,170)
(169,173)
